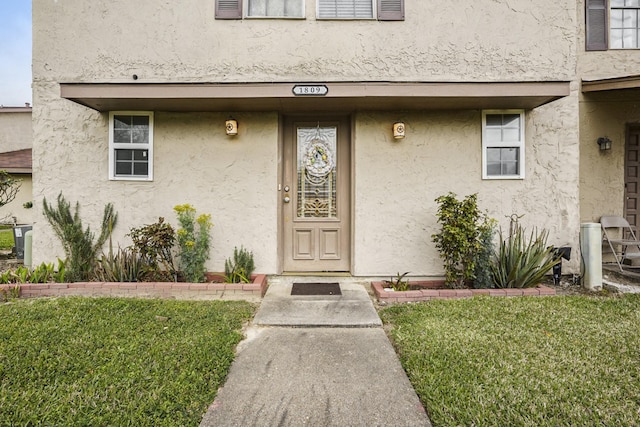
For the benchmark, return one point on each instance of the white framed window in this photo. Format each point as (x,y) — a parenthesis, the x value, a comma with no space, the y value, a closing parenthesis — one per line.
(624,24)
(503,144)
(382,10)
(275,8)
(131,145)
(346,9)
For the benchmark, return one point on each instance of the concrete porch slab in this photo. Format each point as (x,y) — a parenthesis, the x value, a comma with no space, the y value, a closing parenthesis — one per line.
(353,308)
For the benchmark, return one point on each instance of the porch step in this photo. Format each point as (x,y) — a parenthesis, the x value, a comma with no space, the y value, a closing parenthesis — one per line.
(352,309)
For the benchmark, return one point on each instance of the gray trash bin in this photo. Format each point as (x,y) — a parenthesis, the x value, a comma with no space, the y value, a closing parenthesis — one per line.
(18,238)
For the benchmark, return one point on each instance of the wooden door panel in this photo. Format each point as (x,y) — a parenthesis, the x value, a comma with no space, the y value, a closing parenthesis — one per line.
(316,195)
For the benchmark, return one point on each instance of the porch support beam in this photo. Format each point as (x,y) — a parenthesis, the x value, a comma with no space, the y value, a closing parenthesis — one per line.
(340,96)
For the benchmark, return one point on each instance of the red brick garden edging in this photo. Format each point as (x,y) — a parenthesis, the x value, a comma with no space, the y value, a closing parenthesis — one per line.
(178,290)
(430,291)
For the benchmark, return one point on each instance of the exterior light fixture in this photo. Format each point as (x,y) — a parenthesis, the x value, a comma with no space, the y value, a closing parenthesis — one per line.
(398,130)
(604,143)
(231,126)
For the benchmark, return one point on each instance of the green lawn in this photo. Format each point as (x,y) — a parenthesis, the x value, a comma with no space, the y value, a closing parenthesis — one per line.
(557,361)
(109,361)
(6,239)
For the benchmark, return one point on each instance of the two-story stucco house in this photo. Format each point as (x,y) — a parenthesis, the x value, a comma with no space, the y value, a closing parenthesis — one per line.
(319,132)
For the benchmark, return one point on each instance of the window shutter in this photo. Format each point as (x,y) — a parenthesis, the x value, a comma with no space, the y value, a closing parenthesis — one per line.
(391,10)
(228,9)
(596,25)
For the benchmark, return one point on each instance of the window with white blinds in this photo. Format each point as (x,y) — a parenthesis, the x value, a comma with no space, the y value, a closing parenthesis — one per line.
(345,9)
(276,9)
(382,10)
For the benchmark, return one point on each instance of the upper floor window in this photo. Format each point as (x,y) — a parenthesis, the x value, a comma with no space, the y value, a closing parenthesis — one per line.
(503,144)
(382,10)
(345,9)
(624,24)
(612,24)
(275,9)
(131,145)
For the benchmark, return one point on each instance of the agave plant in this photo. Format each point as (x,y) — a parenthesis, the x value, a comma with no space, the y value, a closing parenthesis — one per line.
(522,262)
(122,266)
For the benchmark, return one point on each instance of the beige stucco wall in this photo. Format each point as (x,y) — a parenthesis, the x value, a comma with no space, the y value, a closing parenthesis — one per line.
(397,182)
(15,129)
(604,114)
(602,172)
(15,209)
(75,40)
(235,180)
(603,64)
(16,134)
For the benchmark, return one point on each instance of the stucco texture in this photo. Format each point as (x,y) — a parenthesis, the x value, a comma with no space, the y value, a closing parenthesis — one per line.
(397,182)
(195,162)
(75,40)
(235,179)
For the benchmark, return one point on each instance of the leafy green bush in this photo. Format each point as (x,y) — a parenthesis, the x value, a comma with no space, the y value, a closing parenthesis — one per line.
(484,255)
(78,244)
(154,243)
(43,273)
(463,238)
(194,243)
(239,269)
(522,262)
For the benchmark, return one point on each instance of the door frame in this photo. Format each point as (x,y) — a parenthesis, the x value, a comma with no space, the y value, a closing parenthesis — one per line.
(283,120)
(630,213)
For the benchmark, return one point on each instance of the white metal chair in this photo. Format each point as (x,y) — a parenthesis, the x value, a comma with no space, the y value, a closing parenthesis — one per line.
(621,239)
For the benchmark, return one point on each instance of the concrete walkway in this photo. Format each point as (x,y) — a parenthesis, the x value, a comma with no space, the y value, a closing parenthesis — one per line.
(316,361)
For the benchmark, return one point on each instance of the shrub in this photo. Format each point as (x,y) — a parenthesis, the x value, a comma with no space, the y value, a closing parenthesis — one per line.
(522,263)
(485,254)
(9,187)
(398,283)
(154,243)
(78,244)
(43,273)
(125,265)
(239,269)
(460,241)
(194,244)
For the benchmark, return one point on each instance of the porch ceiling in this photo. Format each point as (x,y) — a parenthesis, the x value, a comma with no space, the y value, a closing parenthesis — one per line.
(341,96)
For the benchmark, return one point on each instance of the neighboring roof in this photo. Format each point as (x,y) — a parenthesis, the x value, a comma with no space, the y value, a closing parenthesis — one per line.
(616,83)
(4,109)
(340,96)
(18,161)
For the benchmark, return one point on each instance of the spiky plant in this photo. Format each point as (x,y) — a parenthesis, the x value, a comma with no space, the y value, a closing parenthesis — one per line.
(79,244)
(522,262)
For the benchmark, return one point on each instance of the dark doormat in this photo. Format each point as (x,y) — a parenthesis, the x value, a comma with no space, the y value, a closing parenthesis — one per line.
(316,289)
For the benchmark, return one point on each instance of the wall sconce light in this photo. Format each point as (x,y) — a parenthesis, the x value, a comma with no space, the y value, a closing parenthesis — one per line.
(604,143)
(398,130)
(231,126)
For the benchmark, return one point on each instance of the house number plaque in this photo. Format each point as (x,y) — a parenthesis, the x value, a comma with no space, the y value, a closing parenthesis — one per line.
(310,90)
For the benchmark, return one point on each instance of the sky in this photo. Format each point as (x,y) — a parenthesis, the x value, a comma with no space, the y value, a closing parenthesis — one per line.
(15,52)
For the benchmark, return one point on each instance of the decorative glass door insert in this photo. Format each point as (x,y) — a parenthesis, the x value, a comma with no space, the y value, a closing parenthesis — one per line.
(315,193)
(316,172)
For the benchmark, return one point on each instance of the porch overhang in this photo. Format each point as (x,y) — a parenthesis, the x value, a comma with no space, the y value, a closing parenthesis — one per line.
(611,84)
(339,96)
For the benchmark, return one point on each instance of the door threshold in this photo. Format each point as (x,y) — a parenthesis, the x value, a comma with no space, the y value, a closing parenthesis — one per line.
(317,273)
